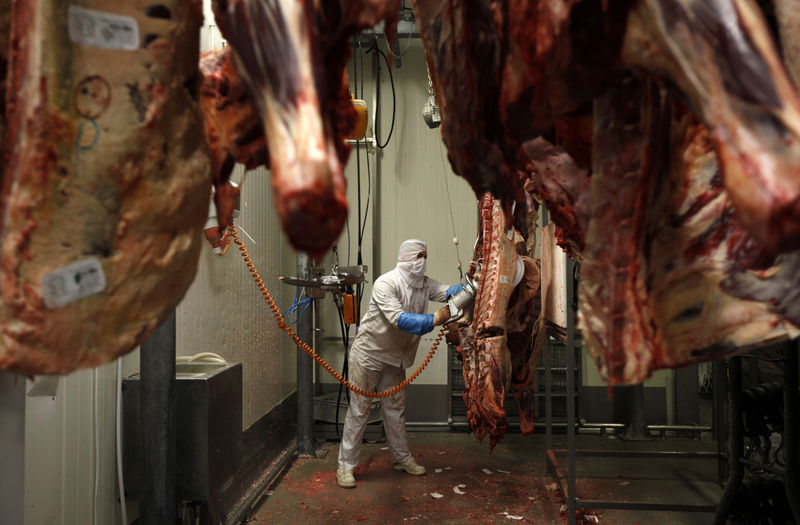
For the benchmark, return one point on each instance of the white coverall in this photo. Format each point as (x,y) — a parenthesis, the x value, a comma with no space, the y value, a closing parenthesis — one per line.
(381,352)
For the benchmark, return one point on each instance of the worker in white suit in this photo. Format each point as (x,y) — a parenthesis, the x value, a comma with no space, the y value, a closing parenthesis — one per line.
(386,344)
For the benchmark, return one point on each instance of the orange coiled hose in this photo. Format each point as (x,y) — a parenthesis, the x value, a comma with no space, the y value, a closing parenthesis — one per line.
(234,233)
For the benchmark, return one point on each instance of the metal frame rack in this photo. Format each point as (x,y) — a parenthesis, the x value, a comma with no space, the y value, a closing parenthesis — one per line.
(566,483)
(738,463)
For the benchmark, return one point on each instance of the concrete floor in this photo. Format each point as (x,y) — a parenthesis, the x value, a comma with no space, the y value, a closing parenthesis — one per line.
(507,486)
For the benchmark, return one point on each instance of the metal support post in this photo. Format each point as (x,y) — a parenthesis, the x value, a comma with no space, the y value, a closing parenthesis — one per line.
(157,501)
(305,369)
(12,447)
(548,396)
(570,266)
(791,438)
(735,443)
(719,393)
(548,377)
(635,430)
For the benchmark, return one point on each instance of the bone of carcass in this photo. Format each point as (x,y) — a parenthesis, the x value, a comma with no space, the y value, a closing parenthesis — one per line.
(106,179)
(722,57)
(292,57)
(232,126)
(553,176)
(669,276)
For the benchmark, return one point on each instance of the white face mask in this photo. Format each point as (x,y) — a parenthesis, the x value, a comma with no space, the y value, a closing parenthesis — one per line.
(418,266)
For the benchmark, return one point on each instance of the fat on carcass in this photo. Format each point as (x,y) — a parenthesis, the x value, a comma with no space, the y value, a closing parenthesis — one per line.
(723,58)
(670,276)
(292,57)
(106,178)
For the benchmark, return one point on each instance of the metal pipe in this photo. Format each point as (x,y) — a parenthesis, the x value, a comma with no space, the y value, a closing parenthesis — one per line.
(735,443)
(12,447)
(570,266)
(305,370)
(719,393)
(548,376)
(548,395)
(157,501)
(790,429)
(244,507)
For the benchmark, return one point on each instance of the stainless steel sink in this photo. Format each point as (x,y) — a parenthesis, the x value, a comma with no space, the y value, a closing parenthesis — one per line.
(208,428)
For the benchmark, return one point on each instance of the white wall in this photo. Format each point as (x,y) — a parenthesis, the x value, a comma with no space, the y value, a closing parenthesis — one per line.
(223,311)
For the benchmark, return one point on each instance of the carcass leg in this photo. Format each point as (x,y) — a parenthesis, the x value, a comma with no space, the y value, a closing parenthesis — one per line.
(721,55)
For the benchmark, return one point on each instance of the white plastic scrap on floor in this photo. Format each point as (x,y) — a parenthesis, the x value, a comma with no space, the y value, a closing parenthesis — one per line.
(457,488)
(384,448)
(486,471)
(504,471)
(512,517)
(436,495)
(448,468)
(437,470)
(591,518)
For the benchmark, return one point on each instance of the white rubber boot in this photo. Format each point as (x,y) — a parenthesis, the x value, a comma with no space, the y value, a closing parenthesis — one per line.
(410,466)
(345,478)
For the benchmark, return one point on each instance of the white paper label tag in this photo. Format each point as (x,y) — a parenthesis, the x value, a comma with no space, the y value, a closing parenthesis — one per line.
(90,27)
(504,279)
(72,282)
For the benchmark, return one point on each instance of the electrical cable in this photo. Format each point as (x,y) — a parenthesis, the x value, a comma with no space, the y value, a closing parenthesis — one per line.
(307,348)
(345,369)
(378,97)
(363,226)
(293,309)
(361,60)
(452,219)
(96,443)
(120,477)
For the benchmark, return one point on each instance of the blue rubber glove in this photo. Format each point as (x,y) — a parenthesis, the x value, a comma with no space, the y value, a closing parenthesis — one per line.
(453,290)
(417,324)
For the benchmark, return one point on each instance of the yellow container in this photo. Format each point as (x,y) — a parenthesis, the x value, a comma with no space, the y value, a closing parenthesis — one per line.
(360,128)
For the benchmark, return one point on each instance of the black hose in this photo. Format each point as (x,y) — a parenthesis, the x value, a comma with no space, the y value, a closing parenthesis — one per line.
(378,97)
(345,340)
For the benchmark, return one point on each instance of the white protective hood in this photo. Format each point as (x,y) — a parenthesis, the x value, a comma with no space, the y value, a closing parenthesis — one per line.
(412,268)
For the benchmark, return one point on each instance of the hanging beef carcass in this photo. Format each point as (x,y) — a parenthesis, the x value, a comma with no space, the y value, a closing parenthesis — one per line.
(552,175)
(669,275)
(292,56)
(497,347)
(514,68)
(106,178)
(525,67)
(722,57)
(232,127)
